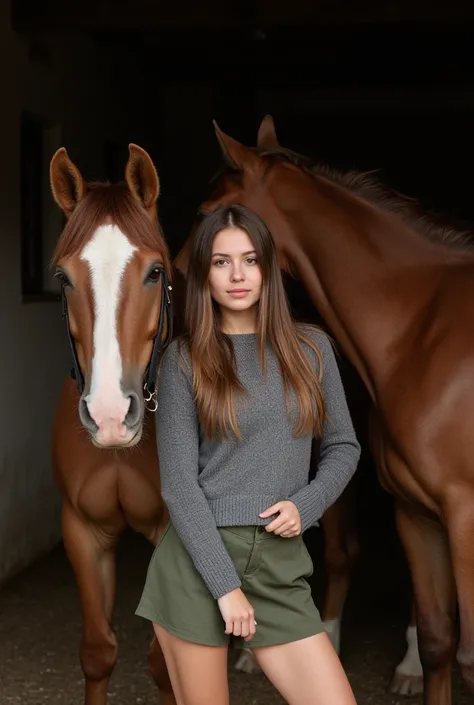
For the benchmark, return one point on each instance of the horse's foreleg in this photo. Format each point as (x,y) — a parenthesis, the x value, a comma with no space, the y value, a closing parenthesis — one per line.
(341,550)
(461,533)
(93,562)
(160,673)
(428,555)
(408,677)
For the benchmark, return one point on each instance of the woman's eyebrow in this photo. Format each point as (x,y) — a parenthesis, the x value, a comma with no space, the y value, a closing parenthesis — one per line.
(223,254)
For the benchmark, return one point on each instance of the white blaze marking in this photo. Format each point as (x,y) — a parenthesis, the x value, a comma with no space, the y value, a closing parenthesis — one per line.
(410,666)
(247,662)
(107,255)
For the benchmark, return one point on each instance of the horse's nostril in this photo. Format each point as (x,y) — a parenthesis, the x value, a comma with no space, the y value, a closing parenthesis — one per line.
(134,412)
(85,416)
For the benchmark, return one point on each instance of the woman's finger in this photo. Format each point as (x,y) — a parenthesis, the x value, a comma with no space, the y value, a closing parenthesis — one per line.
(289,525)
(277,523)
(229,627)
(245,631)
(251,626)
(274,509)
(237,628)
(252,629)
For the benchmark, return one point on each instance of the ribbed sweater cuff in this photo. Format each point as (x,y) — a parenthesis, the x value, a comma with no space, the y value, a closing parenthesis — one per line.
(311,502)
(220,576)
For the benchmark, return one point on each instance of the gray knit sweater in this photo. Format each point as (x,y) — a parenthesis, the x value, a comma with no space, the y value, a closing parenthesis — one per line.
(211,484)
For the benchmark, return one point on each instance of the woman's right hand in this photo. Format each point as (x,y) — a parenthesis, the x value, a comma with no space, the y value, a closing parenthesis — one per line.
(238,614)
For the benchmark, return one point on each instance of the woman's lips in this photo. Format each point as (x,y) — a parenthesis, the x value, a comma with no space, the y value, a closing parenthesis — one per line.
(238,293)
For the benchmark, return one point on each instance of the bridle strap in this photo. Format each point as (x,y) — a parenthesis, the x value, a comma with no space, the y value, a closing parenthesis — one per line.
(76,372)
(159,345)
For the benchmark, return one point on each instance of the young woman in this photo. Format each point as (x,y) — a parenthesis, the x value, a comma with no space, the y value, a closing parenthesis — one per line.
(240,399)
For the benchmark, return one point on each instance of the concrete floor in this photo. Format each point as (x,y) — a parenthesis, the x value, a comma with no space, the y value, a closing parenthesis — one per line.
(40,625)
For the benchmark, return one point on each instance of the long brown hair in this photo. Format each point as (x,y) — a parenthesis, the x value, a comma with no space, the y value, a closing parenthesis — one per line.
(215,381)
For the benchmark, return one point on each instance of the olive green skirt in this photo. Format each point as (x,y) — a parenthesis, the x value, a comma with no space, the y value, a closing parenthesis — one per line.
(273,571)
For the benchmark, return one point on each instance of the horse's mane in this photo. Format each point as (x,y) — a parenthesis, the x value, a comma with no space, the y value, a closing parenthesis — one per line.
(431,226)
(366,186)
(112,203)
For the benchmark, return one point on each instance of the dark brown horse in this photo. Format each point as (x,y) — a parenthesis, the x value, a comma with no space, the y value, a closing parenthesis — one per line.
(397,293)
(113,266)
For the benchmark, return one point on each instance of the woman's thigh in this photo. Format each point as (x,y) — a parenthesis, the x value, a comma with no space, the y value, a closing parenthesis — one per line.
(306,672)
(198,673)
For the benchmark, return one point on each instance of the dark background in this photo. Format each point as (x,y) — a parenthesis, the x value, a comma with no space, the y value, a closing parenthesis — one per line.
(357,84)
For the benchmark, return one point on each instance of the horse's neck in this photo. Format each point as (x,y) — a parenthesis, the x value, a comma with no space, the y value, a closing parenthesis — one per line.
(369,274)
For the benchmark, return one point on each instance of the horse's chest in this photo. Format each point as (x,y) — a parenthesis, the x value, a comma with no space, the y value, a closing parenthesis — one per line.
(116,495)
(139,497)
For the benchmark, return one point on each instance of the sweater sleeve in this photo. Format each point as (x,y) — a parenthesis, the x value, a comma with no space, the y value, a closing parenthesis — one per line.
(178,453)
(339,448)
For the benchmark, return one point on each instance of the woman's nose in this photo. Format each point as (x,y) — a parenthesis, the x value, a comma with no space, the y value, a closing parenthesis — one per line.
(237,275)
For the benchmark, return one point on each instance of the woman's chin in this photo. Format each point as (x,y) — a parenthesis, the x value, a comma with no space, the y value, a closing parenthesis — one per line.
(240,305)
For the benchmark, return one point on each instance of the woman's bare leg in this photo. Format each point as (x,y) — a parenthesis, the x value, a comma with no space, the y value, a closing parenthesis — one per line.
(198,673)
(306,672)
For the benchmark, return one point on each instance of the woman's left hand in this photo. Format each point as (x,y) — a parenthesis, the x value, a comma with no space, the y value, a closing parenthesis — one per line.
(288,522)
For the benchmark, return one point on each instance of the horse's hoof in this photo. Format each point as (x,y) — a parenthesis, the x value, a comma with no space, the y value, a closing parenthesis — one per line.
(246,663)
(406,684)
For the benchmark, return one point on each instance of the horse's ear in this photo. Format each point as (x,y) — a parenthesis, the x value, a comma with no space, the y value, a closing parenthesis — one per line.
(181,260)
(267,137)
(236,154)
(141,176)
(67,184)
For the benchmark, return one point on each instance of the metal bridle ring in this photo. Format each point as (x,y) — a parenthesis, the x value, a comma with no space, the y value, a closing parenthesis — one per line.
(151,397)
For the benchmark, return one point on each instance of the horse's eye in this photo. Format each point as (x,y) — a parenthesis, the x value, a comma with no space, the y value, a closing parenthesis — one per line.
(154,274)
(62,277)
(200,215)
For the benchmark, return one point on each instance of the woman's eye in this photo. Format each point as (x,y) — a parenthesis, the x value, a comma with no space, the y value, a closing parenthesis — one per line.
(251,260)
(220,262)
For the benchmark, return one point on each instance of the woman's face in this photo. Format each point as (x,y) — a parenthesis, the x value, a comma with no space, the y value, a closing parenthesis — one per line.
(235,278)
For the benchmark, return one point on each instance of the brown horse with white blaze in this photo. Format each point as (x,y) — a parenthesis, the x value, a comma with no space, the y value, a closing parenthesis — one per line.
(397,292)
(113,265)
